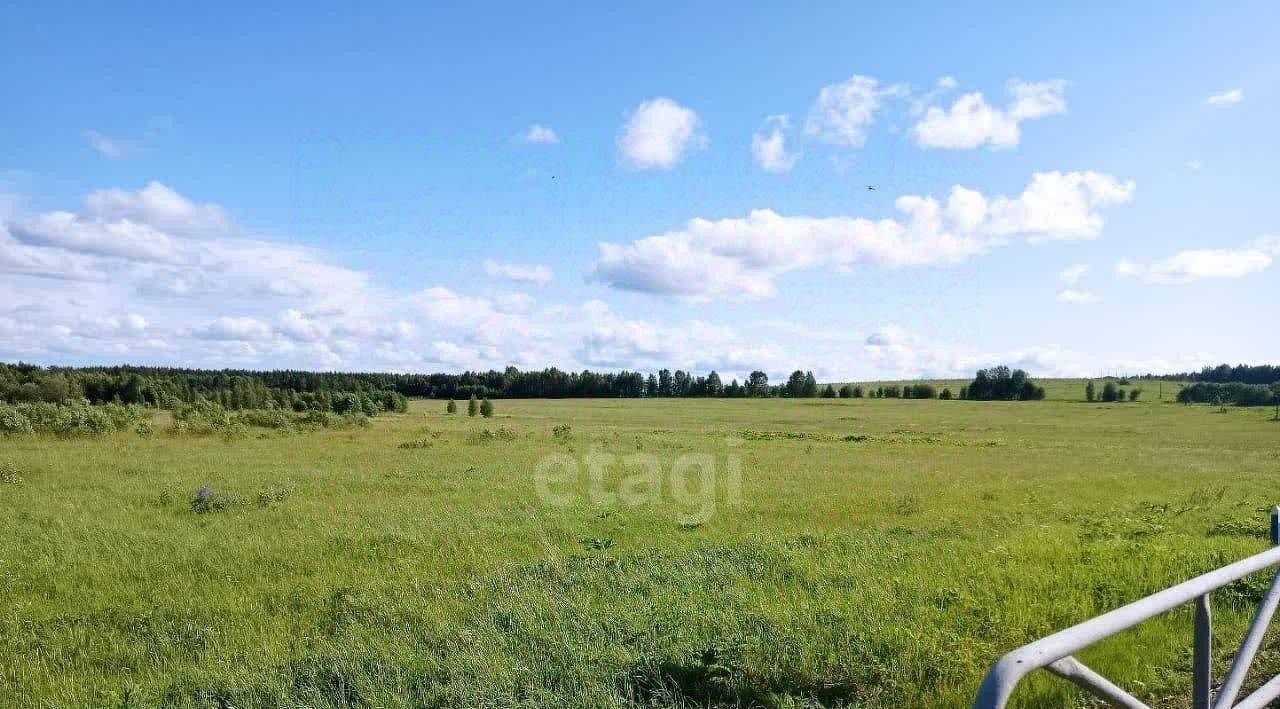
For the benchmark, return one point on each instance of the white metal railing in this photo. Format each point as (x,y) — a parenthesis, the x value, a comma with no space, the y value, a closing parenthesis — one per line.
(1054,652)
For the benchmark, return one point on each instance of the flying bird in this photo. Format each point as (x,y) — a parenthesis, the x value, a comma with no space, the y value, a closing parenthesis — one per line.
(871,187)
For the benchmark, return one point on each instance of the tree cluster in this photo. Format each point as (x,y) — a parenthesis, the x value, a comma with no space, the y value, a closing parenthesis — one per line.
(1111,392)
(1002,384)
(1233,393)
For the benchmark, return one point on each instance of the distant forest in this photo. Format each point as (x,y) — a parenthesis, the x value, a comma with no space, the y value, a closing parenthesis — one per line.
(303,390)
(339,391)
(1226,374)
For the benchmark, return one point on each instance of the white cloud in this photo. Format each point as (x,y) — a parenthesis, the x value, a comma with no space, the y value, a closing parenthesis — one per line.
(1226,98)
(1193,164)
(1073,273)
(658,133)
(843,112)
(234,328)
(538,133)
(220,295)
(160,207)
(768,145)
(108,147)
(897,353)
(1077,297)
(971,122)
(739,258)
(1199,264)
(922,101)
(522,272)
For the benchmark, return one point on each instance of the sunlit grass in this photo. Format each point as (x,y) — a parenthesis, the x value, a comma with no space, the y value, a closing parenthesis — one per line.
(883,553)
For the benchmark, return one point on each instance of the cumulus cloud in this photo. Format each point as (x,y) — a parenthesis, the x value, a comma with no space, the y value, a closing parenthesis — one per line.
(971,122)
(1073,273)
(1077,297)
(1199,264)
(768,145)
(161,207)
(1226,98)
(658,133)
(1070,276)
(843,112)
(739,258)
(538,133)
(898,353)
(613,341)
(233,328)
(108,147)
(522,272)
(218,294)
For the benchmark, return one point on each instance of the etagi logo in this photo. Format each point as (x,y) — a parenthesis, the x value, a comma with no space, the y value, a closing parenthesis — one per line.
(690,482)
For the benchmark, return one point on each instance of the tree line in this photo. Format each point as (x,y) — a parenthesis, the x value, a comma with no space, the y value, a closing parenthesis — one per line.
(369,392)
(1227,374)
(170,388)
(1233,393)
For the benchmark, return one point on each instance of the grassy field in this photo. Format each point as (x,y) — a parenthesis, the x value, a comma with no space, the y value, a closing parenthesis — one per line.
(879,554)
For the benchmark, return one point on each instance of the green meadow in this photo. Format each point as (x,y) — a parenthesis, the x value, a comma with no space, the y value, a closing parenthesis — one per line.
(803,553)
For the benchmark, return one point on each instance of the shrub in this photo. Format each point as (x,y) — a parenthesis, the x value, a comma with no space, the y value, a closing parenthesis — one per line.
(1110,392)
(269,496)
(318,418)
(206,500)
(473,406)
(264,418)
(857,392)
(416,445)
(846,392)
(12,420)
(502,434)
(1090,392)
(829,392)
(486,408)
(9,474)
(1134,394)
(451,407)
(919,391)
(562,432)
(945,395)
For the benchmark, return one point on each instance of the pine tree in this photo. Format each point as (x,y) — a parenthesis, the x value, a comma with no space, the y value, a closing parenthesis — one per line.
(1090,392)
(451,407)
(486,408)
(473,406)
(810,385)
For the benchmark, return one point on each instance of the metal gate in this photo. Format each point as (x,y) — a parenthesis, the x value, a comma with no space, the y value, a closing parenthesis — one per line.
(1054,652)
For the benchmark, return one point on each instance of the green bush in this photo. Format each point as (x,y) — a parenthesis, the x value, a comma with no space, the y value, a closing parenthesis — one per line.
(69,419)
(206,500)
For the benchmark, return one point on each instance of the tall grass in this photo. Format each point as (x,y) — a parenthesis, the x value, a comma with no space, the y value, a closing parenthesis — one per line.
(884,554)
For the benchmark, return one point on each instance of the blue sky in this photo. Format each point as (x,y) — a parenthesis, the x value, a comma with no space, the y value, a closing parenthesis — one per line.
(358,188)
